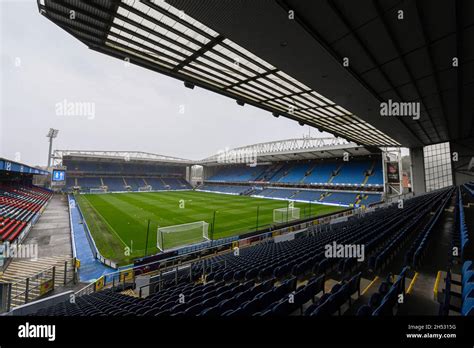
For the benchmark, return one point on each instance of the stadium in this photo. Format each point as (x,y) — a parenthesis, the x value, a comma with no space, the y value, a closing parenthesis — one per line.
(368,215)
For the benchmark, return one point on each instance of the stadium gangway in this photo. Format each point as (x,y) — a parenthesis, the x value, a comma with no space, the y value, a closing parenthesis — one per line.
(161,275)
(39,284)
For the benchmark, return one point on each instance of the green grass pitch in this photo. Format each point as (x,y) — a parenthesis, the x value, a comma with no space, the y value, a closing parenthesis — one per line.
(119,221)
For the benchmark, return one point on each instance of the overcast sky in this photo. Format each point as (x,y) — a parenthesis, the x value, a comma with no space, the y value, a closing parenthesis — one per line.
(43,67)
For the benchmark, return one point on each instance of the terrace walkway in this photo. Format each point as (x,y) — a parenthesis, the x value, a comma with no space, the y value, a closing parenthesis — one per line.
(91,269)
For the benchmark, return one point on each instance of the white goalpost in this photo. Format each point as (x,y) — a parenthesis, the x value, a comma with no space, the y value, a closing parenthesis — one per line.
(97,190)
(281,215)
(178,235)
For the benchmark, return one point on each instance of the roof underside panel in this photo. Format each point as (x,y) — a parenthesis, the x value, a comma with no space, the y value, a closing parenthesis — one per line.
(401,50)
(160,37)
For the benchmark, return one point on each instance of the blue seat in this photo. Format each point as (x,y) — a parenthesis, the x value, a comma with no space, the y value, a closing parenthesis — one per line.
(239,275)
(282,308)
(227,304)
(251,274)
(375,300)
(468,307)
(467,266)
(354,284)
(364,311)
(467,291)
(384,288)
(194,310)
(327,308)
(210,311)
(467,277)
(384,309)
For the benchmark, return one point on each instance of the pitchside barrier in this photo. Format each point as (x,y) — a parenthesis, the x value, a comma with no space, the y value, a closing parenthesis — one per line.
(38,285)
(170,264)
(95,251)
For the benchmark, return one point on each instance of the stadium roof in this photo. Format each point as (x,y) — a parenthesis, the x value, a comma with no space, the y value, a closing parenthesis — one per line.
(290,150)
(160,37)
(401,50)
(120,155)
(272,151)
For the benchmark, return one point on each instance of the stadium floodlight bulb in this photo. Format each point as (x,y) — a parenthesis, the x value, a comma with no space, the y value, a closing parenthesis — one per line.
(53,133)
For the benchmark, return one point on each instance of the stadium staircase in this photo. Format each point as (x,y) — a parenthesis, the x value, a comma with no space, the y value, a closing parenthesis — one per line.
(324,195)
(269,172)
(308,173)
(284,174)
(29,273)
(129,292)
(250,191)
(366,179)
(335,173)
(369,173)
(294,194)
(102,182)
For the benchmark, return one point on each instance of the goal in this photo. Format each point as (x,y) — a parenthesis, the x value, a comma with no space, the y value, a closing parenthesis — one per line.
(281,215)
(97,190)
(179,235)
(144,189)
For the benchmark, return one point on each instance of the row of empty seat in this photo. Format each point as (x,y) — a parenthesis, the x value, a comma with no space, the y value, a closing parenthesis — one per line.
(384,301)
(124,168)
(331,172)
(238,190)
(119,184)
(332,197)
(458,293)
(339,198)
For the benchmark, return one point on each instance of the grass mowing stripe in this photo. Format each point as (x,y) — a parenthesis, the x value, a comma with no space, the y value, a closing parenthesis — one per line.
(111,228)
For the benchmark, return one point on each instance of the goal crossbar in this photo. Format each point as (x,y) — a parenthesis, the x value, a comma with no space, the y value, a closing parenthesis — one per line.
(286,214)
(183,234)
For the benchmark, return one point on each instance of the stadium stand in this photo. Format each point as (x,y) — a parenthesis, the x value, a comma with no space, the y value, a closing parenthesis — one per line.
(113,176)
(458,295)
(225,189)
(238,174)
(310,180)
(354,172)
(260,281)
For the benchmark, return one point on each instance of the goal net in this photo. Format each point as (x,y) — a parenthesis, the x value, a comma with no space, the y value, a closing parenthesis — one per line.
(178,235)
(144,189)
(97,190)
(281,215)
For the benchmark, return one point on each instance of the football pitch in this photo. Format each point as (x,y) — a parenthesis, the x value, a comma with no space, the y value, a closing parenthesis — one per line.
(119,221)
